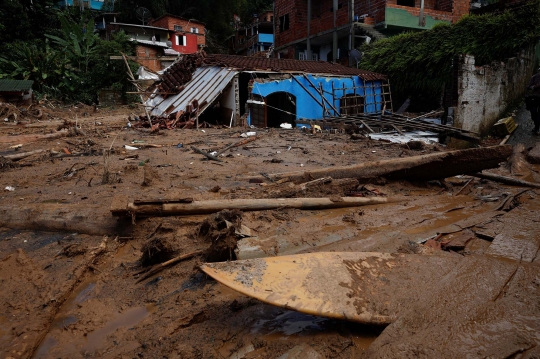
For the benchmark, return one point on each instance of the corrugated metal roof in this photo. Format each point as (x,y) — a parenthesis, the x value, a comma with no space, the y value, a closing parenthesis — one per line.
(289,65)
(151,43)
(141,26)
(207,84)
(15,85)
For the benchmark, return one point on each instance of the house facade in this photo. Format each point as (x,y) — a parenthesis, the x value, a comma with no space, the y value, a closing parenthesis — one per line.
(186,35)
(153,48)
(266,92)
(88,4)
(256,39)
(328,29)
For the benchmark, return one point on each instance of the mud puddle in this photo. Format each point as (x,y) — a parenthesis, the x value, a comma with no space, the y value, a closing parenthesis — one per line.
(128,319)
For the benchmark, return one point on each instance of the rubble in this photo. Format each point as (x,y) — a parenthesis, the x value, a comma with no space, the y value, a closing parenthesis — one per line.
(58,269)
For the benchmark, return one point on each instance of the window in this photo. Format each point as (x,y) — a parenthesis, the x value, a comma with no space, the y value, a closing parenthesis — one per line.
(177,28)
(351,105)
(284,23)
(180,40)
(301,56)
(194,30)
(315,57)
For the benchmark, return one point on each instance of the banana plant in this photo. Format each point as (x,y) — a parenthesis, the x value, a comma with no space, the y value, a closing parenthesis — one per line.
(77,40)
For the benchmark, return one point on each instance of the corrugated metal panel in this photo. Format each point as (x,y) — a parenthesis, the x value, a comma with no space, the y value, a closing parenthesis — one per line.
(15,85)
(207,84)
(152,43)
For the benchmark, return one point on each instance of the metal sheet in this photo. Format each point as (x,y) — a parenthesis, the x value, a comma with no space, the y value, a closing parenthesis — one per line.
(207,84)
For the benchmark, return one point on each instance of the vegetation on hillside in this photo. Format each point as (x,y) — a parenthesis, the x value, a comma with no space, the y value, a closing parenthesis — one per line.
(419,64)
(59,50)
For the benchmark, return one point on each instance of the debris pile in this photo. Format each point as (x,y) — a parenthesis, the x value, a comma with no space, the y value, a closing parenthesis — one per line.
(179,73)
(220,229)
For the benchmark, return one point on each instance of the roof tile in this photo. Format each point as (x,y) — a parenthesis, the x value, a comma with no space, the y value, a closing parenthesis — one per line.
(286,65)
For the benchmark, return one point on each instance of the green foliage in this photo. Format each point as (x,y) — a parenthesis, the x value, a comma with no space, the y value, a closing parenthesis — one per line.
(76,40)
(73,67)
(42,63)
(25,20)
(420,63)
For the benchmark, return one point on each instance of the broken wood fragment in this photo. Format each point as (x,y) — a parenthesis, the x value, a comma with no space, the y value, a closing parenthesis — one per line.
(505,180)
(424,167)
(213,206)
(159,267)
(207,155)
(319,181)
(20,156)
(238,144)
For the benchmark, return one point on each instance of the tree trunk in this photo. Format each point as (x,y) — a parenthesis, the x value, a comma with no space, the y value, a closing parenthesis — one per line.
(423,167)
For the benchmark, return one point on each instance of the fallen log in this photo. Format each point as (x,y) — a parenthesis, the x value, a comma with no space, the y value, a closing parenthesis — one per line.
(20,156)
(423,167)
(51,217)
(31,138)
(506,180)
(121,208)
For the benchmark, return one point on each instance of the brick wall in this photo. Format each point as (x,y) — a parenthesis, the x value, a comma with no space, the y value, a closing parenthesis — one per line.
(374,8)
(322,18)
(459,8)
(147,56)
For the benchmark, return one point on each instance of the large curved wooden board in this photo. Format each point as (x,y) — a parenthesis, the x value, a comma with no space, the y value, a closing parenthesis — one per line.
(362,287)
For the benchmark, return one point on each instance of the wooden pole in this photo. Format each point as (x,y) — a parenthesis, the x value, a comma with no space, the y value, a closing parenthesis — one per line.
(138,88)
(506,180)
(213,206)
(20,156)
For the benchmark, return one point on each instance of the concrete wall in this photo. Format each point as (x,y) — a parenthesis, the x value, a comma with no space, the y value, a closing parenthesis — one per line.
(484,93)
(307,107)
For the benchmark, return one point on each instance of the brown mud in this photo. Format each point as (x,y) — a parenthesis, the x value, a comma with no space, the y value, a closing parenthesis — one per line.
(69,293)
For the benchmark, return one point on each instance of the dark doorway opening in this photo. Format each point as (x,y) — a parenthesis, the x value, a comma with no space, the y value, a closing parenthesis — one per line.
(281,108)
(243,85)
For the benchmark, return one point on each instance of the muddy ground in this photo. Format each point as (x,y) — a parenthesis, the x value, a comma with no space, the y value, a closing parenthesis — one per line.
(80,295)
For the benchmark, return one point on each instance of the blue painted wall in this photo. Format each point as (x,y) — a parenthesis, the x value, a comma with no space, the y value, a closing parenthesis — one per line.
(308,108)
(95,5)
(267,38)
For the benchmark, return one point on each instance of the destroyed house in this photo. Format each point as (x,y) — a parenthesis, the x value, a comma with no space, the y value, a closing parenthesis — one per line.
(16,91)
(265,92)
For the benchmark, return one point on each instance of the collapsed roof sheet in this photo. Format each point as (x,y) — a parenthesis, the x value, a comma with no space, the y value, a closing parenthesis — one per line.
(287,65)
(207,84)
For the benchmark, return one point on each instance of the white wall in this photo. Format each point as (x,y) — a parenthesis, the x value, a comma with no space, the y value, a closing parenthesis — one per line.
(485,92)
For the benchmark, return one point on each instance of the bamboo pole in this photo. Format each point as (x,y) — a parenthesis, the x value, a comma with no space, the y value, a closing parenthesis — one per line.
(213,206)
(138,88)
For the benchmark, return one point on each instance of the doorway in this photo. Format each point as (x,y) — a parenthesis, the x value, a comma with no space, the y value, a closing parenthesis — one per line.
(281,108)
